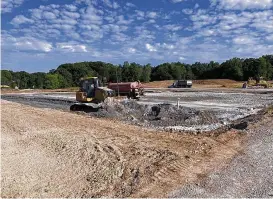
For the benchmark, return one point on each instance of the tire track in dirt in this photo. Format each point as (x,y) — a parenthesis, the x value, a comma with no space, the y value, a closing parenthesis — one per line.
(51,153)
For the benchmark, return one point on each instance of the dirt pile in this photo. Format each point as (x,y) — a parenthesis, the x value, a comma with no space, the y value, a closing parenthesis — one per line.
(161,115)
(56,154)
(207,83)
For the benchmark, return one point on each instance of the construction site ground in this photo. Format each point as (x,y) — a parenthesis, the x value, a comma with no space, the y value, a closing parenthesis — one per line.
(47,151)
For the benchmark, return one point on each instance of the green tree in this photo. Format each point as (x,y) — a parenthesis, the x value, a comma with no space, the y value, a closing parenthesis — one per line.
(261,68)
(189,73)
(22,79)
(177,70)
(233,69)
(161,72)
(6,77)
(52,81)
(65,78)
(146,73)
(199,69)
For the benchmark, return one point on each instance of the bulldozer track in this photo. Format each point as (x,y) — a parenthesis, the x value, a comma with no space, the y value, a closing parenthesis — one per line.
(174,167)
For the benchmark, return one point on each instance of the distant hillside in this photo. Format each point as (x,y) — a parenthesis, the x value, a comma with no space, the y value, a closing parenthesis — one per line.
(68,75)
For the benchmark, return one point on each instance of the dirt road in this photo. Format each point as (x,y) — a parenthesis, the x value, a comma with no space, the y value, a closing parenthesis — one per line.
(52,153)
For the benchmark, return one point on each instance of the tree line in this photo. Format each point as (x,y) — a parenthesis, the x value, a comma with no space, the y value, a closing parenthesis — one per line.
(68,75)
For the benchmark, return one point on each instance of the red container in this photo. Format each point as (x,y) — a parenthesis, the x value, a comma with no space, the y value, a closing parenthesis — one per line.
(124,86)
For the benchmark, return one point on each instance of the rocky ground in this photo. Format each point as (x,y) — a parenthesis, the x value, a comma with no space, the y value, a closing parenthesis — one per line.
(197,111)
(214,144)
(53,153)
(249,175)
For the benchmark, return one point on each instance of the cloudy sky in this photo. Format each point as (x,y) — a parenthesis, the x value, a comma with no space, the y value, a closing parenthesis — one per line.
(38,35)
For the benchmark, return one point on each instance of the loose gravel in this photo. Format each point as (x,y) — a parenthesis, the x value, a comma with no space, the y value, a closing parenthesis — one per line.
(250,175)
(197,111)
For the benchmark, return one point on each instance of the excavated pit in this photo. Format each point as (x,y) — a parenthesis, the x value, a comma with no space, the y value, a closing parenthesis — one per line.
(208,112)
(161,116)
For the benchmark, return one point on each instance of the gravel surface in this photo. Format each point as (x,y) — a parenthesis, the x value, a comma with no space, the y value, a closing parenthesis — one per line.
(41,100)
(250,175)
(198,111)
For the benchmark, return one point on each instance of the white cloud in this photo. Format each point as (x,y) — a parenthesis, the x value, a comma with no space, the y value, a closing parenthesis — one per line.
(72,8)
(53,33)
(168,46)
(131,50)
(181,58)
(115,5)
(130,5)
(119,37)
(20,19)
(201,19)
(92,16)
(247,50)
(215,34)
(270,37)
(140,14)
(151,21)
(172,27)
(187,11)
(150,48)
(196,6)
(74,15)
(151,14)
(49,15)
(176,1)
(244,40)
(242,4)
(90,27)
(121,20)
(108,3)
(71,47)
(9,5)
(29,43)
(263,21)
(36,13)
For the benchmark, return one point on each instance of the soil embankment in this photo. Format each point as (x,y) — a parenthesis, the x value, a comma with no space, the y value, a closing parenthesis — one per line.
(52,153)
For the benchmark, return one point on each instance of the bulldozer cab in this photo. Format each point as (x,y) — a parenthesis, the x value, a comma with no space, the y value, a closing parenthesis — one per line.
(89,86)
(91,91)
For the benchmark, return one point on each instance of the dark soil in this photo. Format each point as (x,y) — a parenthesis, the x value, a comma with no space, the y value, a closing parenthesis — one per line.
(160,115)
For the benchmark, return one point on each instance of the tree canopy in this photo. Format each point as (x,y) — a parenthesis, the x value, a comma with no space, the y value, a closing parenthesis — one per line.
(69,74)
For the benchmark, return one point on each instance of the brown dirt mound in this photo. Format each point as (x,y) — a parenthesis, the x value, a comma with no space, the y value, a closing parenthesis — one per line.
(49,153)
(209,83)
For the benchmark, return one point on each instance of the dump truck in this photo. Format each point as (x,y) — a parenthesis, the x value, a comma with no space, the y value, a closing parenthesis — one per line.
(130,89)
(92,94)
(181,84)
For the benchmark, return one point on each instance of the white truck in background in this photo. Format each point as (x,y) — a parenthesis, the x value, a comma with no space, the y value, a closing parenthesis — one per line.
(181,84)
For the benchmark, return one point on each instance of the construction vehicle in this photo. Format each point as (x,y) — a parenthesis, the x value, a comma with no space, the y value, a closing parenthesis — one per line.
(181,84)
(256,83)
(91,95)
(130,89)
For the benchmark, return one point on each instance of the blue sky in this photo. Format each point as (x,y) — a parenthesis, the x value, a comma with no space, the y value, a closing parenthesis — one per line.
(38,35)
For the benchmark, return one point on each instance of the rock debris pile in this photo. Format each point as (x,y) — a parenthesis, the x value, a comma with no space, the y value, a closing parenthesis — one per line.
(161,115)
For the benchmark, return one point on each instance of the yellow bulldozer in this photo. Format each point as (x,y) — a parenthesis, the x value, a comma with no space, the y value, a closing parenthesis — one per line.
(91,95)
(256,83)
